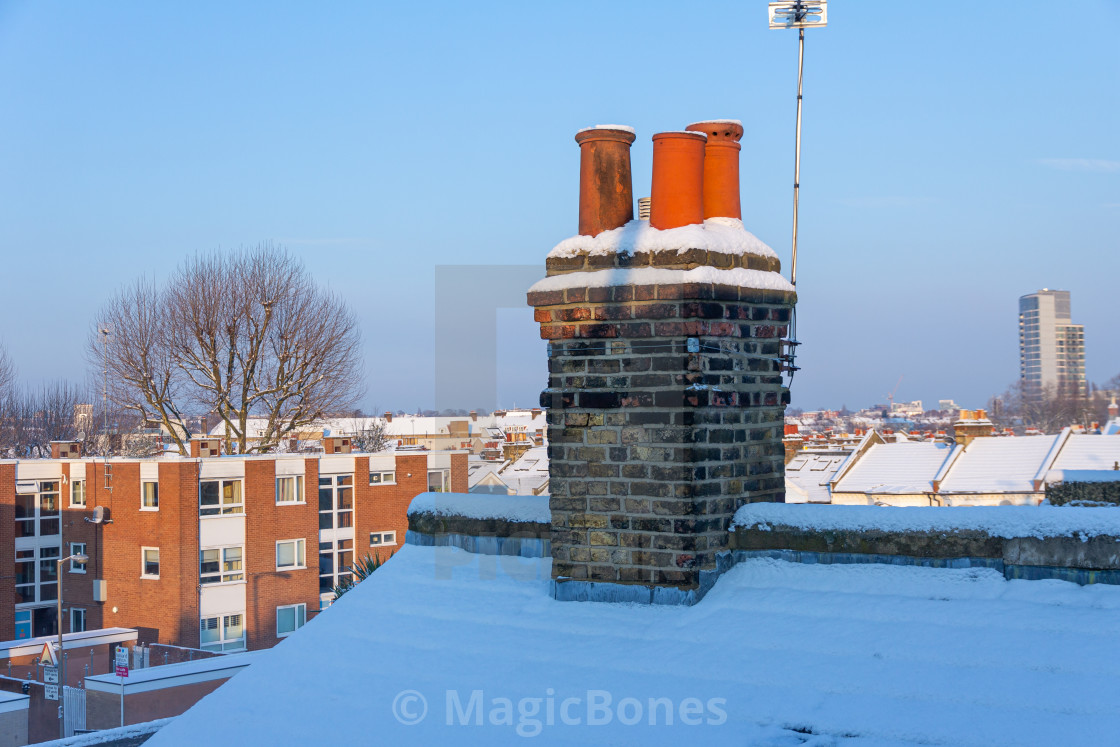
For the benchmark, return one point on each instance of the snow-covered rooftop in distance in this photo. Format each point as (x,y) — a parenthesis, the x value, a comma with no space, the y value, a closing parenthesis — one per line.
(809,473)
(724,235)
(907,467)
(1088,452)
(737,276)
(532,508)
(998,465)
(776,654)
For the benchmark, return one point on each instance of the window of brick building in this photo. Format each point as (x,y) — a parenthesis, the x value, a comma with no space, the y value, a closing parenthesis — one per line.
(219,497)
(382,478)
(290,554)
(149,563)
(290,618)
(77,548)
(222,632)
(289,489)
(149,496)
(382,539)
(439,480)
(220,565)
(77,492)
(77,620)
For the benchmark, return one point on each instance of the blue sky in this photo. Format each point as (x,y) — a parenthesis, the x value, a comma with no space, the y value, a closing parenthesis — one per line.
(953,160)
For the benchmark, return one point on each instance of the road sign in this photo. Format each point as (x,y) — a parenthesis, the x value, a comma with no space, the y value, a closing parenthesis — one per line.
(47,657)
(121,662)
(50,675)
(50,692)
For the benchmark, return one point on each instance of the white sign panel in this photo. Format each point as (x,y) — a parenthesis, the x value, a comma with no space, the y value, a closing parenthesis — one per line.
(50,692)
(50,675)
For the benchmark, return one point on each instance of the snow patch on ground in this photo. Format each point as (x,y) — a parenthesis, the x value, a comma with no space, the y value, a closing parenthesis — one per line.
(724,235)
(738,276)
(998,521)
(532,508)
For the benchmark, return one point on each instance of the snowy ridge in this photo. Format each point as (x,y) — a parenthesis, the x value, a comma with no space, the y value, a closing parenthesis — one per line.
(1008,522)
(738,276)
(724,235)
(530,508)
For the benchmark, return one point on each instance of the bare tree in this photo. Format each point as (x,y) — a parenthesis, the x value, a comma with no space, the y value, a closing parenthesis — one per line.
(371,436)
(243,335)
(7,371)
(31,418)
(132,341)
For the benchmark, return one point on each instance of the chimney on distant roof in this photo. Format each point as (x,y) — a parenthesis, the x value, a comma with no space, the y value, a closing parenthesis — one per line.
(971,426)
(677,191)
(643,208)
(388,416)
(721,167)
(606,191)
(474,414)
(1113,409)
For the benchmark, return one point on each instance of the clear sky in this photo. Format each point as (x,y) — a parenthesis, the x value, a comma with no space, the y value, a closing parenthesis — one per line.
(956,156)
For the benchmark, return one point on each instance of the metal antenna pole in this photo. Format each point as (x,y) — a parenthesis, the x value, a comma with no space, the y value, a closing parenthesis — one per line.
(797,153)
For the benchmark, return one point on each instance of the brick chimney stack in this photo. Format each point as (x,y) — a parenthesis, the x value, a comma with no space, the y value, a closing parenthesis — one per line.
(606,190)
(1113,409)
(665,399)
(971,425)
(388,416)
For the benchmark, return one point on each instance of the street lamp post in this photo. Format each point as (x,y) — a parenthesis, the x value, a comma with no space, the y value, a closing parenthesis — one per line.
(81,559)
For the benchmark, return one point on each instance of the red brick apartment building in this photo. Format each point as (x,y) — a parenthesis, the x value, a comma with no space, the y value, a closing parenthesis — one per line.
(211,552)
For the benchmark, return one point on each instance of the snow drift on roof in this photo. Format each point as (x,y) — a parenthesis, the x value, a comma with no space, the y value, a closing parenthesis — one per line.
(480,506)
(724,235)
(738,276)
(856,656)
(998,521)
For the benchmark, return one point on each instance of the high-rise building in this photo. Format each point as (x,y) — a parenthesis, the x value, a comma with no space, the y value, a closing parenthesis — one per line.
(1051,346)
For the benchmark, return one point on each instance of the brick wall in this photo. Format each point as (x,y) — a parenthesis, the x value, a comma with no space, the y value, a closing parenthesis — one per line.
(103,710)
(77,588)
(265,523)
(382,508)
(7,543)
(652,448)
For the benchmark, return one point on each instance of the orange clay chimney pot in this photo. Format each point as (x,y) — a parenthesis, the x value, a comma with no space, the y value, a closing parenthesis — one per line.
(721,167)
(677,196)
(606,191)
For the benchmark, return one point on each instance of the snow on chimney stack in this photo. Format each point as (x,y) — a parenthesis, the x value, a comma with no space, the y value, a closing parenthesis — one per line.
(606,192)
(677,191)
(721,167)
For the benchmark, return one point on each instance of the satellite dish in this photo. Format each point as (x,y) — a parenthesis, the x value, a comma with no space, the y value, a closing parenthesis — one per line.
(81,435)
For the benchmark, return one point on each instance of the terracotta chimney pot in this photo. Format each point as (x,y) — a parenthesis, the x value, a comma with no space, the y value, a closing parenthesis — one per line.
(677,193)
(721,167)
(606,190)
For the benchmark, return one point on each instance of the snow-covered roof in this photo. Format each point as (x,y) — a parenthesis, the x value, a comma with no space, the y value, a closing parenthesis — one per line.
(529,473)
(533,508)
(1088,452)
(897,468)
(808,474)
(868,655)
(1112,427)
(738,276)
(998,465)
(724,235)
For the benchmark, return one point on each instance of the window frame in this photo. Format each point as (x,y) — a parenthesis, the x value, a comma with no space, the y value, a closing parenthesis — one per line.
(382,536)
(74,487)
(381,479)
(220,509)
(298,482)
(144,495)
(144,563)
(78,612)
(301,554)
(77,548)
(298,623)
(222,576)
(445,480)
(221,624)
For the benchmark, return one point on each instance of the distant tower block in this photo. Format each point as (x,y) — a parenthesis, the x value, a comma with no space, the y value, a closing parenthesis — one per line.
(665,397)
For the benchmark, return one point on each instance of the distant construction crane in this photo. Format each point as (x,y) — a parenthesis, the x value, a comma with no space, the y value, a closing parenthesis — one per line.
(890,397)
